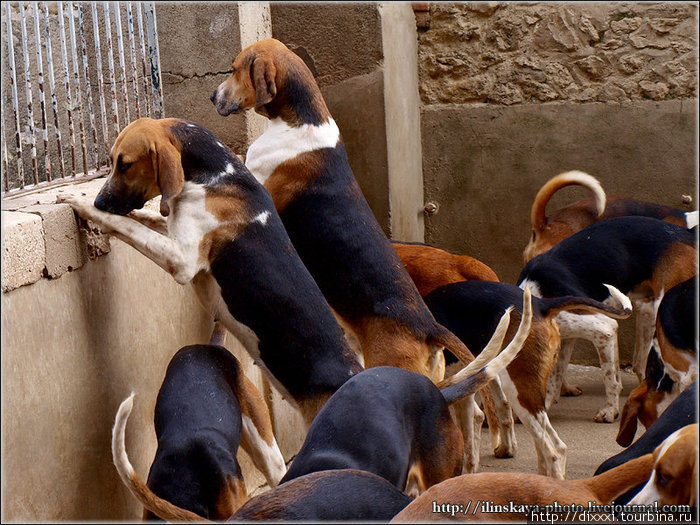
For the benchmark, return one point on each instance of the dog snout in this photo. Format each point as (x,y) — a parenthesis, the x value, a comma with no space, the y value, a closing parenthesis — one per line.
(213,97)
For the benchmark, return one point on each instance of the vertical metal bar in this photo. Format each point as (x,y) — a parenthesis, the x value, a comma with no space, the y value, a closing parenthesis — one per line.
(132,46)
(100,78)
(66,80)
(78,90)
(42,95)
(88,90)
(52,87)
(112,80)
(122,66)
(5,164)
(28,82)
(154,58)
(145,75)
(15,98)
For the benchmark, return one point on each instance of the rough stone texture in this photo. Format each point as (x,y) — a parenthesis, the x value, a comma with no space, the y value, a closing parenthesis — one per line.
(516,53)
(484,164)
(22,249)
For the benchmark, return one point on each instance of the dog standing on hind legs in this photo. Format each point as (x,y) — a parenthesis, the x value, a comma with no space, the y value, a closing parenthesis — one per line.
(301,160)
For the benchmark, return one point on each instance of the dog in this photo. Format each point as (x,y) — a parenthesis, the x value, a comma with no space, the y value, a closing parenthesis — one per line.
(564,222)
(431,267)
(507,496)
(301,160)
(546,231)
(205,408)
(330,495)
(225,237)
(639,257)
(675,337)
(674,478)
(646,401)
(471,308)
(682,412)
(396,423)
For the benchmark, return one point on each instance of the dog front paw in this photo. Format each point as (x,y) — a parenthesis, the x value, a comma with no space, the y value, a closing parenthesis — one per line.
(570,390)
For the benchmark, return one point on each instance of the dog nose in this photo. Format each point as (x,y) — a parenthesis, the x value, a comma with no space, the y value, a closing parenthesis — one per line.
(213,97)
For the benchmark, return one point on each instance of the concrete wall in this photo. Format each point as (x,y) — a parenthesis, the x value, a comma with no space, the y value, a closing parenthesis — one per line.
(74,346)
(514,94)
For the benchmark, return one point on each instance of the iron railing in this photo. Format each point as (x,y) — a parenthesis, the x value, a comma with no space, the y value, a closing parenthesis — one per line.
(73,45)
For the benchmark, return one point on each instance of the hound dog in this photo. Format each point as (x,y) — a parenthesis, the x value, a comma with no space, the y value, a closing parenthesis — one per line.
(564,222)
(674,479)
(331,495)
(470,309)
(646,401)
(225,237)
(431,267)
(396,423)
(636,256)
(675,337)
(205,408)
(508,496)
(682,412)
(301,160)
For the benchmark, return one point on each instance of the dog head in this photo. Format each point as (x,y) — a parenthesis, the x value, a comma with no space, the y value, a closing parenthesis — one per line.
(674,478)
(146,162)
(252,82)
(647,401)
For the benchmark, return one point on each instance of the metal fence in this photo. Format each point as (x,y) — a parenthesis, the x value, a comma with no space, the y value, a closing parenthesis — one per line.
(103,69)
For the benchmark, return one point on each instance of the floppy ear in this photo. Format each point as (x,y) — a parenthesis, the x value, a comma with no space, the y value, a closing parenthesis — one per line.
(263,74)
(170,177)
(630,414)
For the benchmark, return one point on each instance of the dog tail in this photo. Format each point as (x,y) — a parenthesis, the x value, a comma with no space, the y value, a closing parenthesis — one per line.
(538,218)
(158,506)
(553,305)
(488,365)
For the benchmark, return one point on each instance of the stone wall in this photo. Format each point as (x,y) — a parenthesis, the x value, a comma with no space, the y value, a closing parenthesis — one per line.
(518,53)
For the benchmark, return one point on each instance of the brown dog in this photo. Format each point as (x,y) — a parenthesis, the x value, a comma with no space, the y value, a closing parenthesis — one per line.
(301,160)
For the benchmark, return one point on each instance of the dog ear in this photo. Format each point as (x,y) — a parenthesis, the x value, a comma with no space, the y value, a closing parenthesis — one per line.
(630,415)
(170,177)
(263,73)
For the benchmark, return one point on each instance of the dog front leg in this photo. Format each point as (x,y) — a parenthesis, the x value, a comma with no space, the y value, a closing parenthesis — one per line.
(162,250)
(645,325)
(151,219)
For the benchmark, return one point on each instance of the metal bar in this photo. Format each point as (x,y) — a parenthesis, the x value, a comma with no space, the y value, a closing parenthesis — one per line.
(154,58)
(122,66)
(28,82)
(112,80)
(42,94)
(15,98)
(145,75)
(5,164)
(100,79)
(132,46)
(52,87)
(78,90)
(66,80)
(88,90)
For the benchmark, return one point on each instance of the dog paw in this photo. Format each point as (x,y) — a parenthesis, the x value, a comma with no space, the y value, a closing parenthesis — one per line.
(571,390)
(606,415)
(503,451)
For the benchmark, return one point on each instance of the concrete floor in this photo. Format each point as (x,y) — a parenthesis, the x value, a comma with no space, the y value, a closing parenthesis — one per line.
(589,443)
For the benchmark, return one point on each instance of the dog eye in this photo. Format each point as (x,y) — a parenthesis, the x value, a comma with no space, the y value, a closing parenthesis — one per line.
(663,479)
(123,166)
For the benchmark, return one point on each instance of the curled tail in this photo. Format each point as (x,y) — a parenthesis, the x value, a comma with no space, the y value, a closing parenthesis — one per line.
(485,367)
(552,306)
(538,219)
(158,506)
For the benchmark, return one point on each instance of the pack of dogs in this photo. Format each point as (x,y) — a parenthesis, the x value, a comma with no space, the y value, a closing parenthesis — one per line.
(385,347)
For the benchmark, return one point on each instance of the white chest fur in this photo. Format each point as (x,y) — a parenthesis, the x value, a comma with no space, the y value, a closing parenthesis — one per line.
(281,142)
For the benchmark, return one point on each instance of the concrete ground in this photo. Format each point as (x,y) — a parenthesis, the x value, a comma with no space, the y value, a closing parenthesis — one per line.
(589,443)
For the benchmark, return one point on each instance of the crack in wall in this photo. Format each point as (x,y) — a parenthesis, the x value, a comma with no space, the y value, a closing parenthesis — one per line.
(179,77)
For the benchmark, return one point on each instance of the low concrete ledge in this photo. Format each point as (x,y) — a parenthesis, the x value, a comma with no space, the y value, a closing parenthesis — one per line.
(42,238)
